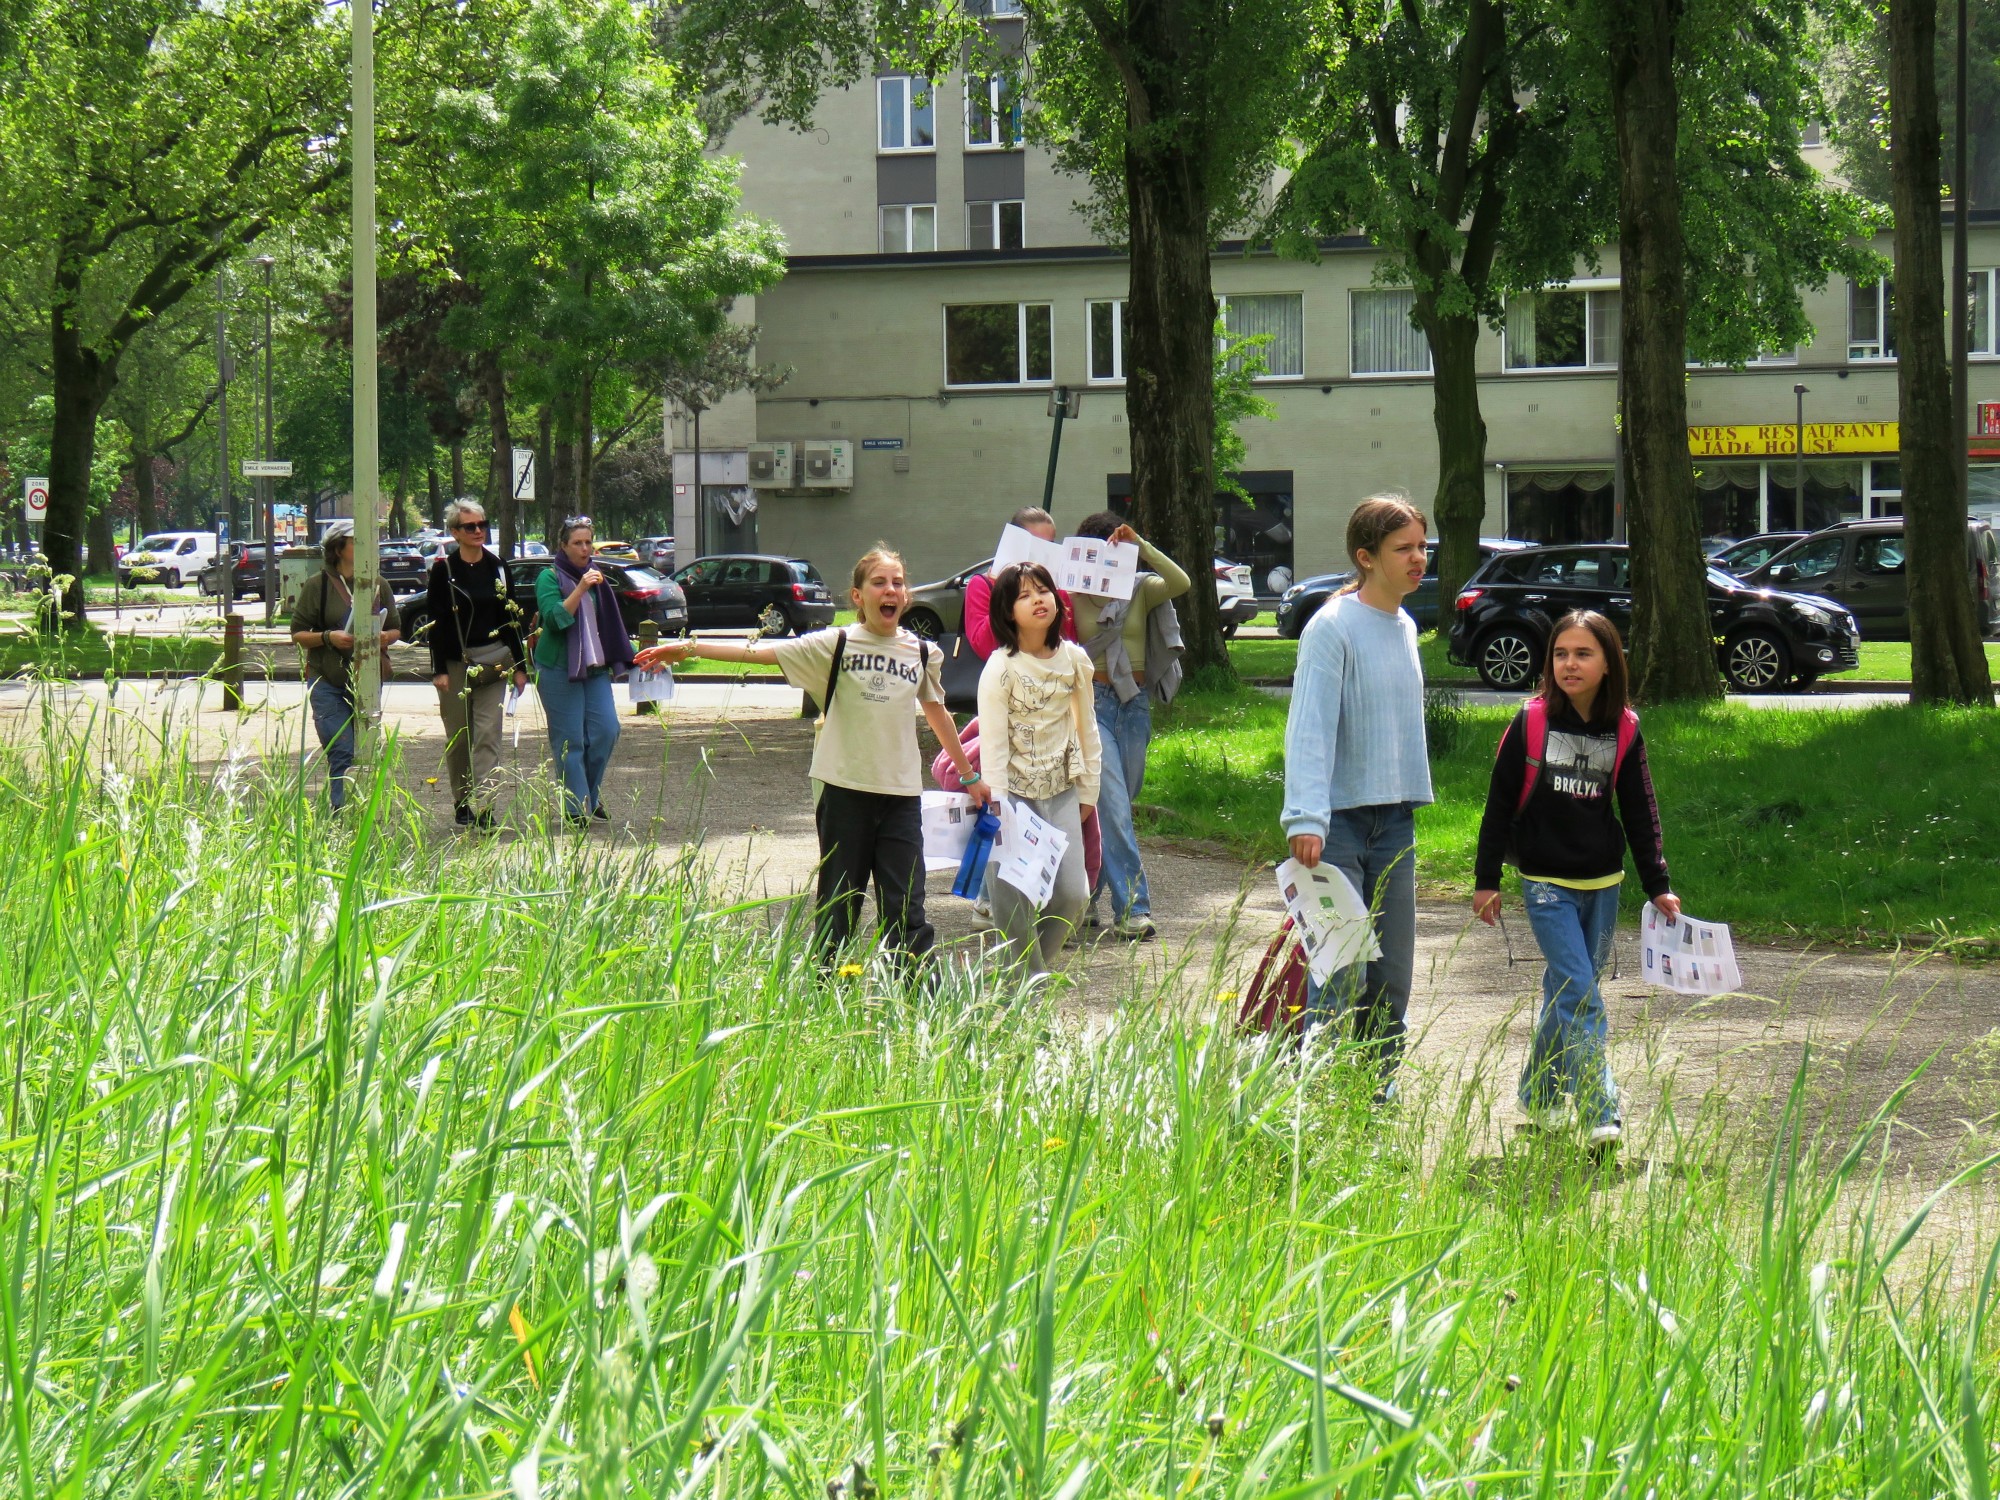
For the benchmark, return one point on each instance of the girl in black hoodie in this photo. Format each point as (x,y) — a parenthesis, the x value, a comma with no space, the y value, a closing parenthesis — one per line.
(1568,755)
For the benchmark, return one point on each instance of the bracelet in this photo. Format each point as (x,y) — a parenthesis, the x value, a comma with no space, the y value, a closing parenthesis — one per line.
(972,780)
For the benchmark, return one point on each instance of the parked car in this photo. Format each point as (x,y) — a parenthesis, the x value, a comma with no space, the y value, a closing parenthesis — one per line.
(1303,600)
(1753,551)
(168,559)
(246,559)
(642,595)
(1234,594)
(1767,639)
(656,552)
(738,588)
(1860,564)
(403,567)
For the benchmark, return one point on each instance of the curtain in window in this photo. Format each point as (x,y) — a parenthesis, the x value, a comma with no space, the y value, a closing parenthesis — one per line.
(1382,340)
(1604,328)
(1280,316)
(1520,333)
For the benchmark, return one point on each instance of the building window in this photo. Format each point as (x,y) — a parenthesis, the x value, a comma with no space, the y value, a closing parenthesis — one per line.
(1871,319)
(1381,338)
(1574,329)
(1280,315)
(1812,134)
(1106,323)
(992,115)
(908,227)
(996,226)
(1979,285)
(998,343)
(907,109)
(993,7)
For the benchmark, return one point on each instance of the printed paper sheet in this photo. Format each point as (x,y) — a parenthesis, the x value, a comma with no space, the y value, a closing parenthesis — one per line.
(947,818)
(1330,917)
(1079,564)
(1689,956)
(1029,851)
(655,686)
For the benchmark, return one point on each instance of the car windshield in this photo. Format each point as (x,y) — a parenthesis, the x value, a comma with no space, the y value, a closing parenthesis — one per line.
(159,544)
(1717,579)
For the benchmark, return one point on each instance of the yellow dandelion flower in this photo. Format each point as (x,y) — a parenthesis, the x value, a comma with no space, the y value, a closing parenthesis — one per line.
(850,971)
(1054,1143)
(1226,997)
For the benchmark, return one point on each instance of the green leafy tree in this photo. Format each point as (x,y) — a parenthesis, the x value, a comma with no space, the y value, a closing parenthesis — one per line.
(1238,363)
(1858,101)
(142,144)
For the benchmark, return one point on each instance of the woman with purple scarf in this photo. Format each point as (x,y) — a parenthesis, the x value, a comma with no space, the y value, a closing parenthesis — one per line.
(582,642)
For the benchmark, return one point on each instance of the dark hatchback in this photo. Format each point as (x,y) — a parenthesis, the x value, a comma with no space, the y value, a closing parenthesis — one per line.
(737,589)
(642,595)
(1303,600)
(1865,566)
(1766,639)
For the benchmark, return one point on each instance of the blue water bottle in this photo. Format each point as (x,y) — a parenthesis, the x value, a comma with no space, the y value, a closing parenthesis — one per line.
(978,849)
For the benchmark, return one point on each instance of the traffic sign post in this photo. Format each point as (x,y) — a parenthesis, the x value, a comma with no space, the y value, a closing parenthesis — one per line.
(267,468)
(35,492)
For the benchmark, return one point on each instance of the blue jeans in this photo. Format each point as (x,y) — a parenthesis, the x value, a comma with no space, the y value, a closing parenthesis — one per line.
(1574,930)
(583,731)
(333,722)
(1126,730)
(1376,849)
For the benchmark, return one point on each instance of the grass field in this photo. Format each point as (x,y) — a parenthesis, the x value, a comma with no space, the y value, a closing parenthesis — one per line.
(91,652)
(1858,826)
(346,1165)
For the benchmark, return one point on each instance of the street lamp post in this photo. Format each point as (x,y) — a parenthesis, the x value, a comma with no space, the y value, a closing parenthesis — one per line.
(1799,461)
(225,496)
(265,483)
(1065,403)
(367,453)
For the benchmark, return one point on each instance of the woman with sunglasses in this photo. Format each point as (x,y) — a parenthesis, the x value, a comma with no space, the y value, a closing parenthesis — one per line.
(474,640)
(581,643)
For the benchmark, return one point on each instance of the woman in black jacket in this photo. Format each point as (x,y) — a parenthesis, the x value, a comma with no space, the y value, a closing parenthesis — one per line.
(475,640)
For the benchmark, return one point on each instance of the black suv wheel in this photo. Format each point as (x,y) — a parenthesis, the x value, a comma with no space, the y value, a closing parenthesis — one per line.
(1757,661)
(1506,659)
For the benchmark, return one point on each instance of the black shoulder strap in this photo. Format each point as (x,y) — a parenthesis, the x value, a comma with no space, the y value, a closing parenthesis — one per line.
(923,659)
(833,672)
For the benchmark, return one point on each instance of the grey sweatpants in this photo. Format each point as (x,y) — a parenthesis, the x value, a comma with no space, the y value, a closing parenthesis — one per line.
(1035,938)
(472,726)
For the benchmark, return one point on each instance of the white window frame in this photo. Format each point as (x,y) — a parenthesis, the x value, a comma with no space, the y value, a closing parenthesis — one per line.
(1023,381)
(1268,378)
(1117,375)
(910,87)
(1979,303)
(1583,287)
(1762,361)
(1002,8)
(996,204)
(1429,361)
(1885,293)
(1001,104)
(909,211)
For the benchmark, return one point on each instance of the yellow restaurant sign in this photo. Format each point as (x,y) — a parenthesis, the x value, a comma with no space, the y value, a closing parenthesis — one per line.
(1769,439)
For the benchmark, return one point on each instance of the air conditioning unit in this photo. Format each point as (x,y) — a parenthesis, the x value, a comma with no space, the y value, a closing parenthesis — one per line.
(770,466)
(827,466)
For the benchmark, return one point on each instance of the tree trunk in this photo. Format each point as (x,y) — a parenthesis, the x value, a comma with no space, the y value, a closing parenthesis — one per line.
(1947,661)
(457,473)
(98,529)
(399,508)
(548,480)
(1169,381)
(437,499)
(586,444)
(1673,653)
(145,499)
(80,386)
(499,499)
(558,493)
(1460,506)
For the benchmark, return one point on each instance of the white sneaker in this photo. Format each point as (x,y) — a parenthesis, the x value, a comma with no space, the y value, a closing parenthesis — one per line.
(1549,1119)
(1610,1133)
(982,913)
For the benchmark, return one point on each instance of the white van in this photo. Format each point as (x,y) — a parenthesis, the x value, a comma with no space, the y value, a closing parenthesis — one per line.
(167,559)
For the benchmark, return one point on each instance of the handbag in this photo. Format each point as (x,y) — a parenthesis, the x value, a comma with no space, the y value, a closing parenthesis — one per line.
(959,669)
(1276,999)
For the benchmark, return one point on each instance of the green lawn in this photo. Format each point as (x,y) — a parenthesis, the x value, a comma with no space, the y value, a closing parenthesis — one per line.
(1857,826)
(90,652)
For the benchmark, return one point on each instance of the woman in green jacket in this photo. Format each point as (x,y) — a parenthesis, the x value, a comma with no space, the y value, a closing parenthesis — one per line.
(582,642)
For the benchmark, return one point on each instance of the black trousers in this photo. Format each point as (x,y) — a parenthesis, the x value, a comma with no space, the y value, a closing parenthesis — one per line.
(863,834)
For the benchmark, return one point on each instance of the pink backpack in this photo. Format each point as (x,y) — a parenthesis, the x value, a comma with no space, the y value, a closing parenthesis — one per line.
(1538,744)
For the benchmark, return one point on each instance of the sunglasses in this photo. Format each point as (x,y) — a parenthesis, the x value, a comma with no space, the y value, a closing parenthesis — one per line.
(469,526)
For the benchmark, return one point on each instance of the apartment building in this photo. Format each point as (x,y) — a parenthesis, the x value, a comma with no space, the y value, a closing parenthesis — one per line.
(942,283)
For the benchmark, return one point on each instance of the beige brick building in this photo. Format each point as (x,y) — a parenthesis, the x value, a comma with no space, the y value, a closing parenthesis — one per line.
(942,281)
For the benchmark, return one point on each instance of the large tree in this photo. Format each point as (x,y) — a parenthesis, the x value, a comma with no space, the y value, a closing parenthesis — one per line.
(1176,112)
(1947,661)
(144,143)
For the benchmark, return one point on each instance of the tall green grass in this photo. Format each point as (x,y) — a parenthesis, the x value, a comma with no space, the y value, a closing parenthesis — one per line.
(338,1161)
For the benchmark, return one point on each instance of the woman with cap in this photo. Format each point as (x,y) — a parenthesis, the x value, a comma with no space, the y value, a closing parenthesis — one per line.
(323,630)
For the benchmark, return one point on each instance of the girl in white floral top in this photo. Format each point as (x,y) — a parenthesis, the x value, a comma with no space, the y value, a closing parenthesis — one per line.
(1038,747)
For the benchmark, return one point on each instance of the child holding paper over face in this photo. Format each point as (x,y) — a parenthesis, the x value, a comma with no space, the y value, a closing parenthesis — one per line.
(1039,745)
(867,773)
(1572,753)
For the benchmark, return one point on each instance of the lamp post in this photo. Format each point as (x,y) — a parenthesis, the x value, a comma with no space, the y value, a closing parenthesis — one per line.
(265,483)
(1961,214)
(1799,461)
(1065,403)
(367,452)
(225,499)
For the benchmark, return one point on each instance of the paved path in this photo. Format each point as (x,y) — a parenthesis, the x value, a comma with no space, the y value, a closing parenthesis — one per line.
(727,771)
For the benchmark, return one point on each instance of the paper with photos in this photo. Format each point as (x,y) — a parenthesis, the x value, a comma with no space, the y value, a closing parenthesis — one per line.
(1688,956)
(1329,916)
(1079,564)
(655,686)
(947,821)
(1029,851)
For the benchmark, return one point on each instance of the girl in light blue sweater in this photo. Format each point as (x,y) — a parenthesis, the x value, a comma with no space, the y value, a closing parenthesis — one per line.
(1356,767)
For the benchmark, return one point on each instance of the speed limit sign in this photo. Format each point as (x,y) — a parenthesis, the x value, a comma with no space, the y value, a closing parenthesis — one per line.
(37,491)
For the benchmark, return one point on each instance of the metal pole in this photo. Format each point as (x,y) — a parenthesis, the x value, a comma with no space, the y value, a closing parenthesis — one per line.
(225,504)
(1961,214)
(1799,461)
(266,484)
(367,453)
(700,499)
(1061,403)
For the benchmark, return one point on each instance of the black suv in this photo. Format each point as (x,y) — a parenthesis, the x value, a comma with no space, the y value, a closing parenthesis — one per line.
(1862,565)
(1765,640)
(740,588)
(1303,600)
(642,595)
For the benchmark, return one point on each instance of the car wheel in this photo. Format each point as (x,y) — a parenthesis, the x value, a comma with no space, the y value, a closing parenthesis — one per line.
(1229,631)
(171,579)
(924,623)
(775,622)
(1506,659)
(1757,661)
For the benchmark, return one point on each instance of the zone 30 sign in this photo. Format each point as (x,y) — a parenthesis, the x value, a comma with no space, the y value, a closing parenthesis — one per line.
(36,493)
